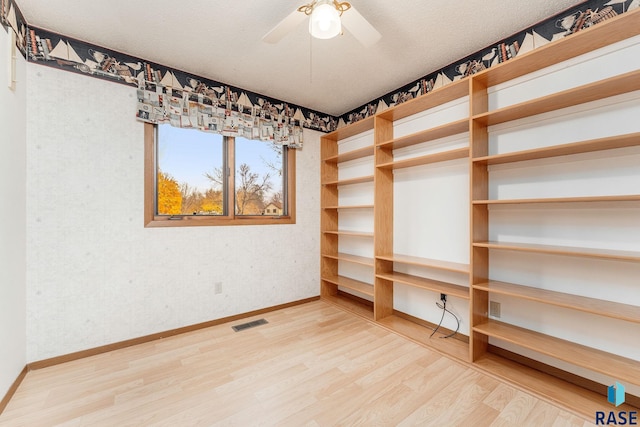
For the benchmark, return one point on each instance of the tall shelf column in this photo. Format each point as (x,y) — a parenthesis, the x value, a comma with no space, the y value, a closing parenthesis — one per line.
(479,216)
(328,217)
(383,218)
(343,279)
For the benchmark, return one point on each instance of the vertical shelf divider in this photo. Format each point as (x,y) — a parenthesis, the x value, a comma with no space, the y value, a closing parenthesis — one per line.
(328,217)
(383,218)
(479,216)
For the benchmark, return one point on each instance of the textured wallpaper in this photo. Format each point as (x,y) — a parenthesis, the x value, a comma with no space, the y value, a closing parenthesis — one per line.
(95,275)
(13,233)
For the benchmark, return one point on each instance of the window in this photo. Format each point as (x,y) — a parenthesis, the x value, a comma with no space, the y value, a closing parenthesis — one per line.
(198,178)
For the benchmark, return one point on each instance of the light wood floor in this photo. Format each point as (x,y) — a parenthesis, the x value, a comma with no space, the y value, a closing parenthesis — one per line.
(311,365)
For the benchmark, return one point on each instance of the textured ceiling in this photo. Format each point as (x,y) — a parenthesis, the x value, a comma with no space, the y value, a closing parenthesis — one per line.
(221,40)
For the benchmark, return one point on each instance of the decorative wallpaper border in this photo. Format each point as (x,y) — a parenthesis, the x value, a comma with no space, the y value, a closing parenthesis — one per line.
(11,17)
(59,51)
(577,18)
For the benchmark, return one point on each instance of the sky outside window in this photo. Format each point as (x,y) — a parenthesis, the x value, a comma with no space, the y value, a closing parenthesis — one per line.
(194,160)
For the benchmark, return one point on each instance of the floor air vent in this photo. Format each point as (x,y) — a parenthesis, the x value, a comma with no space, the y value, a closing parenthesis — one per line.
(248,325)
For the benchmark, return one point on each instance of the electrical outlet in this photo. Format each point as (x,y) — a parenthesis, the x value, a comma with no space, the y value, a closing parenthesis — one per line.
(443,297)
(217,288)
(494,309)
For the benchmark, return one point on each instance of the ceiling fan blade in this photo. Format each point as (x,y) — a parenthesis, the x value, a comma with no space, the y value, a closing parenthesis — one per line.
(361,29)
(284,27)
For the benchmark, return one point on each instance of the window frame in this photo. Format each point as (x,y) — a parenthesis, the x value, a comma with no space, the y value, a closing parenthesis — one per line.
(150,194)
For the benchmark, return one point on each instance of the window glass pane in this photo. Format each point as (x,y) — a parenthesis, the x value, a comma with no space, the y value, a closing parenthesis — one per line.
(259,178)
(190,172)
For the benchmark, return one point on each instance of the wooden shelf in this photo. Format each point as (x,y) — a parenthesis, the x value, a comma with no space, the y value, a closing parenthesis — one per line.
(426,262)
(458,153)
(563,250)
(350,181)
(351,258)
(590,358)
(630,313)
(580,95)
(426,135)
(428,284)
(600,144)
(611,31)
(419,334)
(349,233)
(347,207)
(352,129)
(348,283)
(436,97)
(590,199)
(350,305)
(351,155)
(551,388)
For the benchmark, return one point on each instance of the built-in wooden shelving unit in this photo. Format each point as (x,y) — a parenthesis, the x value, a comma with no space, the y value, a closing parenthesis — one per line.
(389,268)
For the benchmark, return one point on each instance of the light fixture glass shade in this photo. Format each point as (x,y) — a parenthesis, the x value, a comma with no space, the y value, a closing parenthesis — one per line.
(324,22)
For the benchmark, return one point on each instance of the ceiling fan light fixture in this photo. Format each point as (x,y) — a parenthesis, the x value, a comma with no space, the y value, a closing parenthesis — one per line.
(324,22)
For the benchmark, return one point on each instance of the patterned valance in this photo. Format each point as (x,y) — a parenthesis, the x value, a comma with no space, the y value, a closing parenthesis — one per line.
(223,113)
(172,93)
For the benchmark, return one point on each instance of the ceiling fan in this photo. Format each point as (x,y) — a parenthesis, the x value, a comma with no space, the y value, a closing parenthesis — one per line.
(326,18)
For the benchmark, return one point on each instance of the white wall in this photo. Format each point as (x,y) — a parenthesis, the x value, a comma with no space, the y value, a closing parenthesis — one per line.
(12,219)
(431,215)
(95,274)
